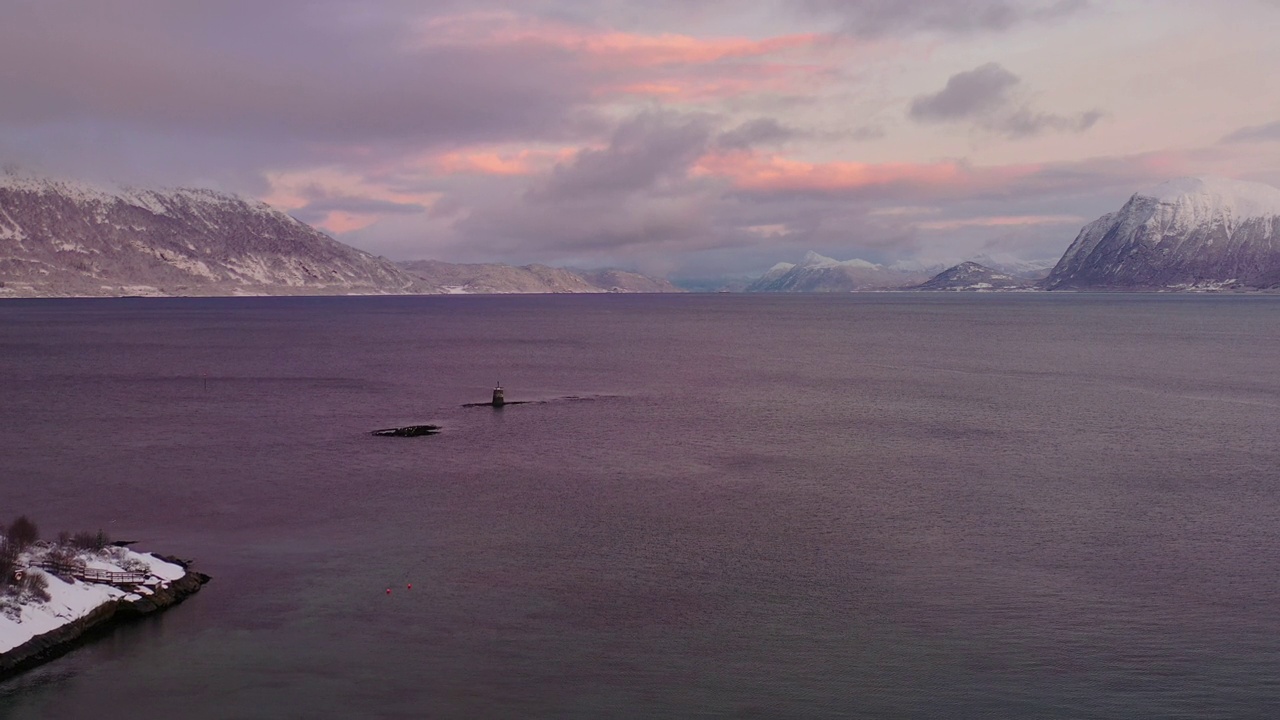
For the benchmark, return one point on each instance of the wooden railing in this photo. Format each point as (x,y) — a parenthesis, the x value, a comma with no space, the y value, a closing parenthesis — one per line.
(78,570)
(111,576)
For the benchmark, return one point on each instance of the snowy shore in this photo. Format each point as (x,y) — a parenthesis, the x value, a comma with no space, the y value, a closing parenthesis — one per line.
(34,630)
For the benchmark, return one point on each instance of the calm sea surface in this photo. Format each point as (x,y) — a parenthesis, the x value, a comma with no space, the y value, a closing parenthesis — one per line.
(868,506)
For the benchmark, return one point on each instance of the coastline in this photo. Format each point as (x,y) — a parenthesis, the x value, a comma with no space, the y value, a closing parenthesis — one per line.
(101,619)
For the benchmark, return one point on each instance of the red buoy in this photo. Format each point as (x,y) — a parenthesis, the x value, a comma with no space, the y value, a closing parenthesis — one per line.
(410,586)
(388,591)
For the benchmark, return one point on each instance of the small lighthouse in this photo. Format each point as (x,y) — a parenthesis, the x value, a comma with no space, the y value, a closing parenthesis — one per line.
(498,399)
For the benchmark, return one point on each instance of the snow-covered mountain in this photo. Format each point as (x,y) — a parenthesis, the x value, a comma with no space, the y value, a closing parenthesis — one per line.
(970,276)
(817,273)
(1016,266)
(495,278)
(1186,234)
(65,238)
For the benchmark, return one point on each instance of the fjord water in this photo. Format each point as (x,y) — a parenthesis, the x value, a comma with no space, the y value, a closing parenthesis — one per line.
(1031,506)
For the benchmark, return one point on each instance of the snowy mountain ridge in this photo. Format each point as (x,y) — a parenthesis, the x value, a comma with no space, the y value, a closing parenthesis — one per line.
(1187,233)
(67,238)
(973,277)
(819,273)
(812,259)
(1209,196)
(156,200)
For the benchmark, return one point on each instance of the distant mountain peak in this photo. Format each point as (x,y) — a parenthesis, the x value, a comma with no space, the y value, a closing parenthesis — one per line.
(972,276)
(814,260)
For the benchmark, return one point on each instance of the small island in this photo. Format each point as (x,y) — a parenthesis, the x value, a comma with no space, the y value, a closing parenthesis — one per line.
(54,592)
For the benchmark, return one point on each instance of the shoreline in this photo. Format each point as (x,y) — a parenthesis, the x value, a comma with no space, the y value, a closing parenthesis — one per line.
(100,620)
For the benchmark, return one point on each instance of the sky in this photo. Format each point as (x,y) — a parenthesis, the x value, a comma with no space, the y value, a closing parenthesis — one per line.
(686,138)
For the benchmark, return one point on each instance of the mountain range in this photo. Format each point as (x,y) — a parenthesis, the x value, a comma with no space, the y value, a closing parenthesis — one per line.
(818,273)
(73,239)
(59,238)
(496,278)
(1187,234)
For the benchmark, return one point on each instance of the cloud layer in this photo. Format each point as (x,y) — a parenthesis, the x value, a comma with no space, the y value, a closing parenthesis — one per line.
(881,17)
(696,137)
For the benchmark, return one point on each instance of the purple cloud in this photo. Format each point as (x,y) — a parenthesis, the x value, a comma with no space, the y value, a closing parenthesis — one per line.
(967,94)
(761,131)
(643,150)
(987,95)
(1255,133)
(887,17)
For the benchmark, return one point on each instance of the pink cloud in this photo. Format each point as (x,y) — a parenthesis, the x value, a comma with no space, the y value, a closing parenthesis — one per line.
(338,222)
(612,47)
(1002,221)
(490,161)
(668,49)
(748,170)
(340,200)
(296,189)
(723,82)
(665,65)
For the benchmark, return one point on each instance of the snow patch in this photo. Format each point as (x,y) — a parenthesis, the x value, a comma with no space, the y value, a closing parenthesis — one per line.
(137,290)
(154,201)
(148,201)
(162,568)
(9,228)
(70,601)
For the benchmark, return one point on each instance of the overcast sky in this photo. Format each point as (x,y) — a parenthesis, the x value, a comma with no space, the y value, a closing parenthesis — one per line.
(691,137)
